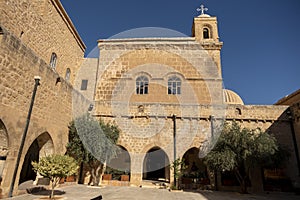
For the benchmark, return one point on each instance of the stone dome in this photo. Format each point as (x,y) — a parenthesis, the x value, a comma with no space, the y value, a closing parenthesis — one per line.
(204,15)
(230,97)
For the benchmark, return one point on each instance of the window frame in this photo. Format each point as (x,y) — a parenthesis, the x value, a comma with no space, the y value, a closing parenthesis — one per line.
(142,85)
(174,85)
(53,60)
(84,84)
(68,74)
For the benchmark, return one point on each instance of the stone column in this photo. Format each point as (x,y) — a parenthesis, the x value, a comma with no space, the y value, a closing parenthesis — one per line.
(8,171)
(136,174)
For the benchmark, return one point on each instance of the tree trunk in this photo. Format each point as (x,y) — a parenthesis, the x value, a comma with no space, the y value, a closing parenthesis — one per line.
(102,172)
(242,181)
(244,187)
(52,189)
(54,183)
(95,175)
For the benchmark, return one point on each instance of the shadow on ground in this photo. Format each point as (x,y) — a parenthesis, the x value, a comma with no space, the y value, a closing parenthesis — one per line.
(47,192)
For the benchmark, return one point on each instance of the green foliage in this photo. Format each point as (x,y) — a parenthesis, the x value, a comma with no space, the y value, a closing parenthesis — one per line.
(92,141)
(237,146)
(55,167)
(178,166)
(238,149)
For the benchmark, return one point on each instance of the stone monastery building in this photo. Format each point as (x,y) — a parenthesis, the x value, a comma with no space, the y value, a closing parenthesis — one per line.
(151,88)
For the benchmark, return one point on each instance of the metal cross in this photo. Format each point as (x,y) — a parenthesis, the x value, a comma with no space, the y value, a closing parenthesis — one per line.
(202,9)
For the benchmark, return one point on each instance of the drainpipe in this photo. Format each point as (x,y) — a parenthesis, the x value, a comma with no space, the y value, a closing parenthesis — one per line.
(212,118)
(174,143)
(37,83)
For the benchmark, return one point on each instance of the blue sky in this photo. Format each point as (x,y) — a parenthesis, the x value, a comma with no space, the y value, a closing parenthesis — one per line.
(261,52)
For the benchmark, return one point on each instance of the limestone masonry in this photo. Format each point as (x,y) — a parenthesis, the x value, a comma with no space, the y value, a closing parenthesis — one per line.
(146,86)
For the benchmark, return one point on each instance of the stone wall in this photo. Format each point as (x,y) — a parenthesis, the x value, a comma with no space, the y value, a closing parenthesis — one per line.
(44,27)
(275,120)
(141,131)
(212,43)
(122,61)
(293,101)
(146,120)
(87,71)
(52,109)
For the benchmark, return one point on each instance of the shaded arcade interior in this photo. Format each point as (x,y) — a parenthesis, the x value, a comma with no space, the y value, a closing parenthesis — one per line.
(3,148)
(118,168)
(42,146)
(196,173)
(156,165)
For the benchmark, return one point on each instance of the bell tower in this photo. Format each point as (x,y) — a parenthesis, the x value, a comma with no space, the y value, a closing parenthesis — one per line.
(205,31)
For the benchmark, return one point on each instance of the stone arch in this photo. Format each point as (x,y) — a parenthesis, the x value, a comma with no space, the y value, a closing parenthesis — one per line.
(122,161)
(196,171)
(206,33)
(3,148)
(209,33)
(42,146)
(142,73)
(156,165)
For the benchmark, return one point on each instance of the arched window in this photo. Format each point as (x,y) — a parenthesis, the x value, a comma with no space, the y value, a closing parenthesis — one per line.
(174,85)
(238,111)
(205,33)
(142,83)
(68,74)
(53,60)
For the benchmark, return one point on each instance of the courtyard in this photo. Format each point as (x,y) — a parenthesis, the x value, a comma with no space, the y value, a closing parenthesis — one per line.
(82,192)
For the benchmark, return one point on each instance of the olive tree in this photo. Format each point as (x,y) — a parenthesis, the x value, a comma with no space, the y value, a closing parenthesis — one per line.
(55,167)
(238,149)
(93,143)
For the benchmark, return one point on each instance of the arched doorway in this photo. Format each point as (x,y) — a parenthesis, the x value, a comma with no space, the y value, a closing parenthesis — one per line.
(3,148)
(196,171)
(120,165)
(156,165)
(42,146)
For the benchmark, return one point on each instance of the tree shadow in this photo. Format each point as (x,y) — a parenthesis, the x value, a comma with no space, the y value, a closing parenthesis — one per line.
(45,192)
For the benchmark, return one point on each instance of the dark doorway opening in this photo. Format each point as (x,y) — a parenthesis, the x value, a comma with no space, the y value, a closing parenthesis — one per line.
(41,146)
(119,166)
(156,165)
(196,171)
(32,154)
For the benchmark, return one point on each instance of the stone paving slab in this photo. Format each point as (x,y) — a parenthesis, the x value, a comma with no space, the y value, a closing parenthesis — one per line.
(83,192)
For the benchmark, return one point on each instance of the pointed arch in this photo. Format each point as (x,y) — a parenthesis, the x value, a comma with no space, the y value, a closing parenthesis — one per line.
(196,170)
(3,147)
(42,146)
(122,161)
(156,165)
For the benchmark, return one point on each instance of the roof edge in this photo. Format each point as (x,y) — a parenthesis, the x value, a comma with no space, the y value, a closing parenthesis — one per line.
(147,39)
(57,4)
(287,97)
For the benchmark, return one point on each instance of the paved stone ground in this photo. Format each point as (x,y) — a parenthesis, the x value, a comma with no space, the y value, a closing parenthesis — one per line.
(83,192)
